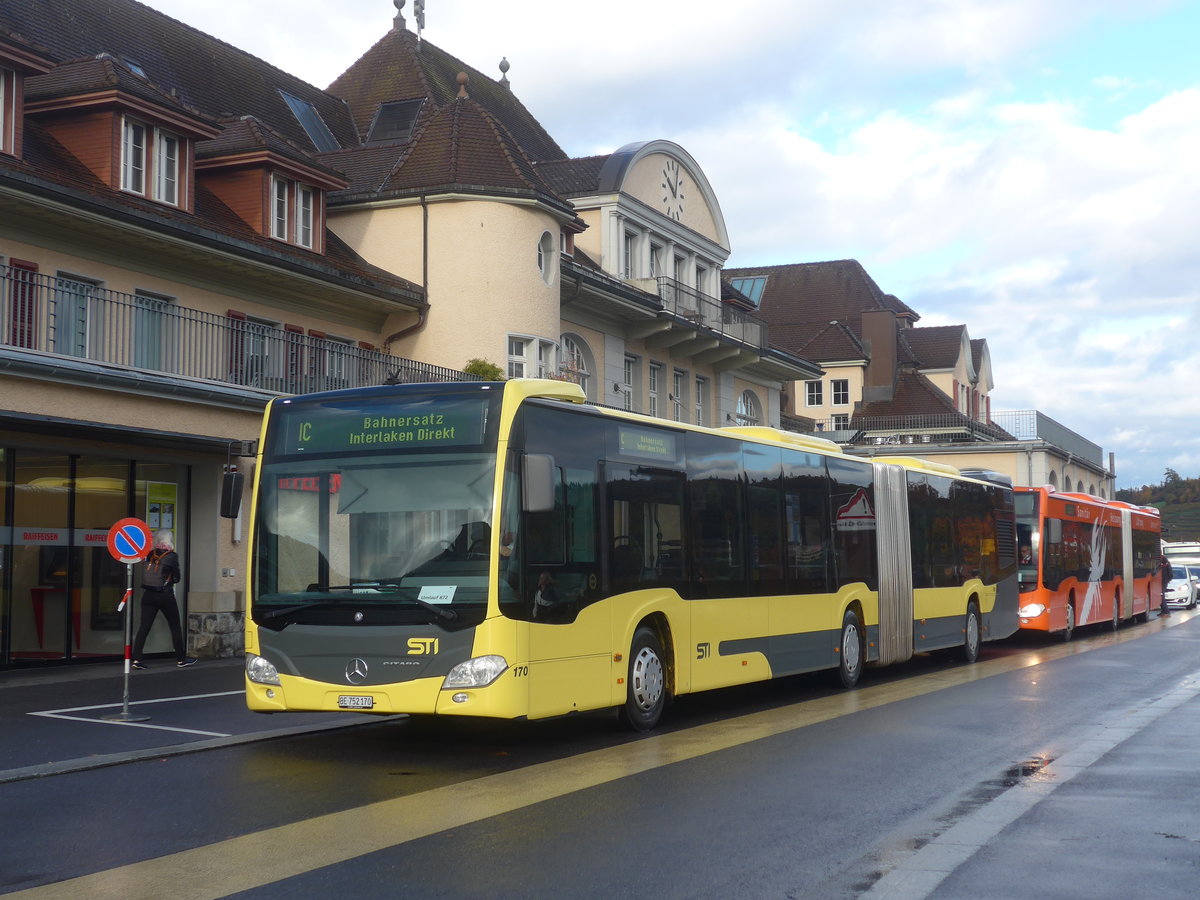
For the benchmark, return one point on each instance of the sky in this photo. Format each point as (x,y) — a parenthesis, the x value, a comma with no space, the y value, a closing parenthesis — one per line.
(1027,168)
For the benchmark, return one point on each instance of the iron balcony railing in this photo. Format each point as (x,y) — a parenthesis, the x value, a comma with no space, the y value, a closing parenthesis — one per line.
(867,430)
(711,314)
(78,319)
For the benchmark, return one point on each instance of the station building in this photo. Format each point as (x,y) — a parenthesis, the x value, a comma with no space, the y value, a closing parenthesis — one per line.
(187,232)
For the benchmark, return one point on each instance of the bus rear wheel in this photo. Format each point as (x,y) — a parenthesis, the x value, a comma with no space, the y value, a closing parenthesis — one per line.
(972,635)
(850,651)
(646,693)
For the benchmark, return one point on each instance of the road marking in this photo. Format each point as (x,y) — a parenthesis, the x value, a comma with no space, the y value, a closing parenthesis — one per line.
(64,713)
(240,864)
(922,871)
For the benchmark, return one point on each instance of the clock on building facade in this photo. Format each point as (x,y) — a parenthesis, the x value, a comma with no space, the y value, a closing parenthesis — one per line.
(672,185)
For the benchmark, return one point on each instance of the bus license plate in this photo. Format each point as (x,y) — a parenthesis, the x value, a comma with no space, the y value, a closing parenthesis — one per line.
(348,701)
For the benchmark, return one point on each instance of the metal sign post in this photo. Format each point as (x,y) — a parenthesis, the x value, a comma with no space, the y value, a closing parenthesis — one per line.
(129,541)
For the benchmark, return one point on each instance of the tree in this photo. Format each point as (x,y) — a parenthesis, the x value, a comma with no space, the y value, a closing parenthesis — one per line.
(488,371)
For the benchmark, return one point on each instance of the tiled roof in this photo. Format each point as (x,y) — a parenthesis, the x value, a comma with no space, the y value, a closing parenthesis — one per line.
(400,68)
(246,133)
(97,74)
(915,395)
(821,343)
(573,177)
(936,347)
(462,145)
(819,292)
(205,73)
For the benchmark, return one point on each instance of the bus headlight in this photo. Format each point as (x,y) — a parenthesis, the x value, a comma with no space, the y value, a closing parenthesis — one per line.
(260,671)
(475,673)
(1032,611)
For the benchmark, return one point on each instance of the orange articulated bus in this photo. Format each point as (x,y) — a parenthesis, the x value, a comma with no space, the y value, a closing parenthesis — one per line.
(1084,560)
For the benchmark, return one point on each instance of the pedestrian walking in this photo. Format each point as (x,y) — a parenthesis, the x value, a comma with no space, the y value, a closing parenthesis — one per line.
(159,576)
(1164,573)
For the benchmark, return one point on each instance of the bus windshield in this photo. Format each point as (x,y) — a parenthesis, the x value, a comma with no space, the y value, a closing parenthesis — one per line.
(1028,540)
(376,509)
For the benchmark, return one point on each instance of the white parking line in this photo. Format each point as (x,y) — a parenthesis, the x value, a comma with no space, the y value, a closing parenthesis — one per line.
(63,713)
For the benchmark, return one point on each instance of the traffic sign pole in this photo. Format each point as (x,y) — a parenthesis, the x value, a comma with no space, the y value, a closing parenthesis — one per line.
(129,541)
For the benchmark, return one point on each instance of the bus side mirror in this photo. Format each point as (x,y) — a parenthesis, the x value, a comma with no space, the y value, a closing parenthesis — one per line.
(537,482)
(231,493)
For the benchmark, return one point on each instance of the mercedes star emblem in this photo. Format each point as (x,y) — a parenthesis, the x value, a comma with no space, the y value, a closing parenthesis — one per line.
(356,671)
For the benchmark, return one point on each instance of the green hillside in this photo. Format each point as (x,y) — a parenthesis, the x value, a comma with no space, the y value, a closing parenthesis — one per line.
(1179,501)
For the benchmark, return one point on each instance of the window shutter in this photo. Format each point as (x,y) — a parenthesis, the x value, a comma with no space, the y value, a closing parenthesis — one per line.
(22,329)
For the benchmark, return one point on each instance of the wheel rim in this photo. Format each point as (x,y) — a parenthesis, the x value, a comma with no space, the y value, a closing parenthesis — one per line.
(851,649)
(646,676)
(1070,620)
(973,634)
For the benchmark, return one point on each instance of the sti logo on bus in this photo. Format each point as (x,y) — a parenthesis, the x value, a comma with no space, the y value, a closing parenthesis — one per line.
(422,646)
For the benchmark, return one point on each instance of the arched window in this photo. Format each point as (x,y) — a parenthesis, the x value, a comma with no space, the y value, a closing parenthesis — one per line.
(749,411)
(577,364)
(1053,478)
(546,257)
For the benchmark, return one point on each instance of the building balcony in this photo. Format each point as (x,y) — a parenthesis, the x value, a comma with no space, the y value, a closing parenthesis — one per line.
(860,431)
(58,318)
(690,310)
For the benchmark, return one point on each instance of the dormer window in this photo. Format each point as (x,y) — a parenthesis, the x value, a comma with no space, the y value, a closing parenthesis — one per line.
(293,211)
(150,162)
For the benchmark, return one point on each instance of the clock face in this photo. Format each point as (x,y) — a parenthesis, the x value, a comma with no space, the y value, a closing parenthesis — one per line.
(672,185)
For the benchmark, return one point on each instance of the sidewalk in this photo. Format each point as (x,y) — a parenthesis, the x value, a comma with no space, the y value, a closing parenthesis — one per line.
(53,720)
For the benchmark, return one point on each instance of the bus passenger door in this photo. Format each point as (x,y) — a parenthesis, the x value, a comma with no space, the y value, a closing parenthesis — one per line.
(570,629)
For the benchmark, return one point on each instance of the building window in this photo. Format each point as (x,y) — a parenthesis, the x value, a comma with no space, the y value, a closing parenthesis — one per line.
(154,338)
(677,274)
(655,260)
(701,280)
(77,316)
(295,215)
(701,400)
(547,367)
(574,365)
(304,216)
(518,351)
(133,157)
(628,248)
(166,168)
(839,389)
(545,257)
(653,387)
(840,421)
(751,287)
(279,208)
(813,395)
(749,412)
(138,161)
(628,379)
(678,398)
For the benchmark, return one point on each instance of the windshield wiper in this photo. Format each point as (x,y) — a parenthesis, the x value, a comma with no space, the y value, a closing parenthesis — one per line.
(299,607)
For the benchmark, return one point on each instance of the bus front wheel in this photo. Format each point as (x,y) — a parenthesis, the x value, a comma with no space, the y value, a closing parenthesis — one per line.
(646,693)
(972,634)
(850,652)
(1069,631)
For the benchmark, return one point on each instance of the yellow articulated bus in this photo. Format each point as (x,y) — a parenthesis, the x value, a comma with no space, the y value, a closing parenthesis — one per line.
(507,550)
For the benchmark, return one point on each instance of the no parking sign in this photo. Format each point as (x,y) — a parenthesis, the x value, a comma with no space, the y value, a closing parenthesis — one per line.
(130,541)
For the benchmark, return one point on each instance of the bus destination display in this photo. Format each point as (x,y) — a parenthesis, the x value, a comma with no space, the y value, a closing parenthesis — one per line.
(327,429)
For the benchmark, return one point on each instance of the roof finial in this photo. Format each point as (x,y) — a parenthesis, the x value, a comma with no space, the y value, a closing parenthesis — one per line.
(504,71)
(398,21)
(419,15)
(463,80)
